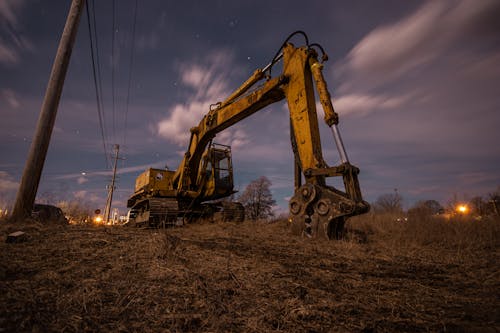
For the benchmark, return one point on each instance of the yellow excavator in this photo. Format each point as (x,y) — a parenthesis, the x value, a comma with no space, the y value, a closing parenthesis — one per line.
(205,175)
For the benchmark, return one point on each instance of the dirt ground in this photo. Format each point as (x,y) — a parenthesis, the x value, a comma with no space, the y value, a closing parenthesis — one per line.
(247,277)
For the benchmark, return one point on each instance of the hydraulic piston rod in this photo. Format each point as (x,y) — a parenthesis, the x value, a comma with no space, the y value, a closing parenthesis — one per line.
(331,117)
(339,143)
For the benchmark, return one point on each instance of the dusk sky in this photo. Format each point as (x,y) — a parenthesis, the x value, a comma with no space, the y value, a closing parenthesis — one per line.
(416,85)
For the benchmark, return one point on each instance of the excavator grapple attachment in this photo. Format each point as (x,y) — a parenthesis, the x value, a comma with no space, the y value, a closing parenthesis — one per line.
(320,212)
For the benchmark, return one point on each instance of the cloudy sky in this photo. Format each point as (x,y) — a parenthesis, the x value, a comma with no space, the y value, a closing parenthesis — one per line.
(416,85)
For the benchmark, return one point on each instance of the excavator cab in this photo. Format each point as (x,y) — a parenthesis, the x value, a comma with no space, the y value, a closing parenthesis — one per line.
(222,167)
(219,172)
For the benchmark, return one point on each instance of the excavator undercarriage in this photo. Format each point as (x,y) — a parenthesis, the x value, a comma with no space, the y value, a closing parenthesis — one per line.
(165,212)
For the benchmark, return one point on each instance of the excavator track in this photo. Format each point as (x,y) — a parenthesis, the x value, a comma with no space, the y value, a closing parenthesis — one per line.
(230,212)
(165,212)
(155,212)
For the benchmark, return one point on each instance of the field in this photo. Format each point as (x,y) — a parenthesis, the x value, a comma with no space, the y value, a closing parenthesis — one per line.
(386,276)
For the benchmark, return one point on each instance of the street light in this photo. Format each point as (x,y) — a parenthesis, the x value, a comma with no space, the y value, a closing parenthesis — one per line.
(462,209)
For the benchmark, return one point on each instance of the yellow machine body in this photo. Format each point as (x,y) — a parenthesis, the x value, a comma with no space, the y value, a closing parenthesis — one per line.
(205,173)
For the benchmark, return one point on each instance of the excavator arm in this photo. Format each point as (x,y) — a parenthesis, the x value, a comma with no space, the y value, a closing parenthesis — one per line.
(316,208)
(216,121)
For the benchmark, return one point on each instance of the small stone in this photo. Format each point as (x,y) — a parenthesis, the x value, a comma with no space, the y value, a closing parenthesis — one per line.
(17,237)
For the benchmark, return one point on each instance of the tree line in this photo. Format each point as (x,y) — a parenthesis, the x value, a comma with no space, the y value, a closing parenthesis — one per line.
(258,201)
(478,205)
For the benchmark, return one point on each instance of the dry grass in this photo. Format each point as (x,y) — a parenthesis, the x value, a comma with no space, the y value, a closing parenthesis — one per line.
(459,238)
(419,276)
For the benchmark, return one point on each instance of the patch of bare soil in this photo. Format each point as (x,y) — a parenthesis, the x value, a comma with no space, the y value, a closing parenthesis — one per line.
(248,277)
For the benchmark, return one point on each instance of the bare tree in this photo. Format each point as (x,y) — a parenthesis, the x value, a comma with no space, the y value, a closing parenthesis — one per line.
(494,200)
(389,203)
(426,208)
(78,212)
(478,205)
(258,199)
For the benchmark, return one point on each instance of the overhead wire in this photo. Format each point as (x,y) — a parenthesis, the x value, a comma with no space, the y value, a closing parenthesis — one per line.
(98,63)
(131,66)
(96,70)
(98,97)
(113,69)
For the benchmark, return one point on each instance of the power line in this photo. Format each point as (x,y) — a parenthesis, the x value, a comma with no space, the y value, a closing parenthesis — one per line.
(131,65)
(113,69)
(99,80)
(98,100)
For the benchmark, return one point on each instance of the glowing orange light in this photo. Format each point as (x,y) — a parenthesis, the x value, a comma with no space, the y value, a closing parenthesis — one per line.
(98,219)
(462,209)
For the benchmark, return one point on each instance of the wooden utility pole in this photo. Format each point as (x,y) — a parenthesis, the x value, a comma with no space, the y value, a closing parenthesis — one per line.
(38,150)
(107,210)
